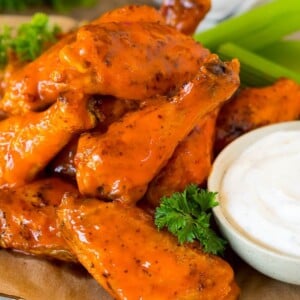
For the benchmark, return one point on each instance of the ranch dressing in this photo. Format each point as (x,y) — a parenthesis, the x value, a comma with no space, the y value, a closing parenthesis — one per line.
(260,192)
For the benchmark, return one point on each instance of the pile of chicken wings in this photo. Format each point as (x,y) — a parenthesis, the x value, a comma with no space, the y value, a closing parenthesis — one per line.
(117,114)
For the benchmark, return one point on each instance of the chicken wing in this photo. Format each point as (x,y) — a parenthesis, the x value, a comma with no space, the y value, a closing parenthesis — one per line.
(132,13)
(255,107)
(122,249)
(28,219)
(184,15)
(190,163)
(120,163)
(128,60)
(29,142)
(107,110)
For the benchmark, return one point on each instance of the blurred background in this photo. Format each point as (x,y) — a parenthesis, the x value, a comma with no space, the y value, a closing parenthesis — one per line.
(90,9)
(79,9)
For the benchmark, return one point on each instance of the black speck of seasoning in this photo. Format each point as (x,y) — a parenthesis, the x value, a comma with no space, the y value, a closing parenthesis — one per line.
(147,272)
(100,190)
(104,152)
(107,60)
(158,76)
(92,266)
(109,286)
(105,274)
(160,116)
(129,126)
(62,99)
(126,271)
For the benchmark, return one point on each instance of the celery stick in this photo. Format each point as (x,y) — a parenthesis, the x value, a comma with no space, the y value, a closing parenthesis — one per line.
(255,70)
(285,53)
(282,26)
(253,21)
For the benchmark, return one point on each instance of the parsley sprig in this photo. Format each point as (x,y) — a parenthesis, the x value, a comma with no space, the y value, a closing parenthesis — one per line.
(187,215)
(30,40)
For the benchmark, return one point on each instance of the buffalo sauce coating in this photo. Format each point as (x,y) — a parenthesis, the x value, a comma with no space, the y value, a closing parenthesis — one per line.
(28,218)
(184,15)
(108,110)
(120,163)
(37,84)
(255,107)
(190,163)
(131,60)
(126,254)
(132,13)
(30,141)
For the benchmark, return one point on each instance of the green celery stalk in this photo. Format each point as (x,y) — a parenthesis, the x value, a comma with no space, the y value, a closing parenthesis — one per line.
(285,53)
(252,22)
(255,70)
(282,26)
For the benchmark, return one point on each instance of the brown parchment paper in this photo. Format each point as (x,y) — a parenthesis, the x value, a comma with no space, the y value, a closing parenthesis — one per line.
(36,279)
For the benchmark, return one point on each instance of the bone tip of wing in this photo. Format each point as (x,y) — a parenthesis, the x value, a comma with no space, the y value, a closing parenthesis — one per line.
(215,67)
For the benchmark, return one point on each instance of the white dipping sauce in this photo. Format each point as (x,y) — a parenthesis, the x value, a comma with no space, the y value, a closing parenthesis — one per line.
(260,192)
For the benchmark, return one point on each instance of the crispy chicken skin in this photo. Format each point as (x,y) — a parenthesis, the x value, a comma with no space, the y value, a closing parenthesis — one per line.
(28,219)
(30,88)
(190,163)
(184,15)
(132,260)
(30,141)
(120,163)
(255,107)
(108,110)
(130,60)
(132,13)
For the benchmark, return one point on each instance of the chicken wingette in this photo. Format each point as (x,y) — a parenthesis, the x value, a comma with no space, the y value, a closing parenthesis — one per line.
(255,107)
(184,15)
(28,142)
(120,163)
(28,219)
(132,13)
(190,163)
(131,259)
(128,60)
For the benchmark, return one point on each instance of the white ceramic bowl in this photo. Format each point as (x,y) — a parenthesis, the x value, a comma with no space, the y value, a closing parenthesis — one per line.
(273,264)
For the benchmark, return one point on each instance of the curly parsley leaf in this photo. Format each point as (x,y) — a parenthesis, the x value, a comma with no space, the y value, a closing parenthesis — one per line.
(30,41)
(187,215)
(5,40)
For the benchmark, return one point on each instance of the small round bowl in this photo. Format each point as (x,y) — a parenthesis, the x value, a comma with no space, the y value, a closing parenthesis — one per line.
(273,264)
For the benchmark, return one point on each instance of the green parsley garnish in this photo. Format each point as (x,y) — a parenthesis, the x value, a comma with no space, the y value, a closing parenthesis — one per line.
(5,40)
(187,215)
(30,40)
